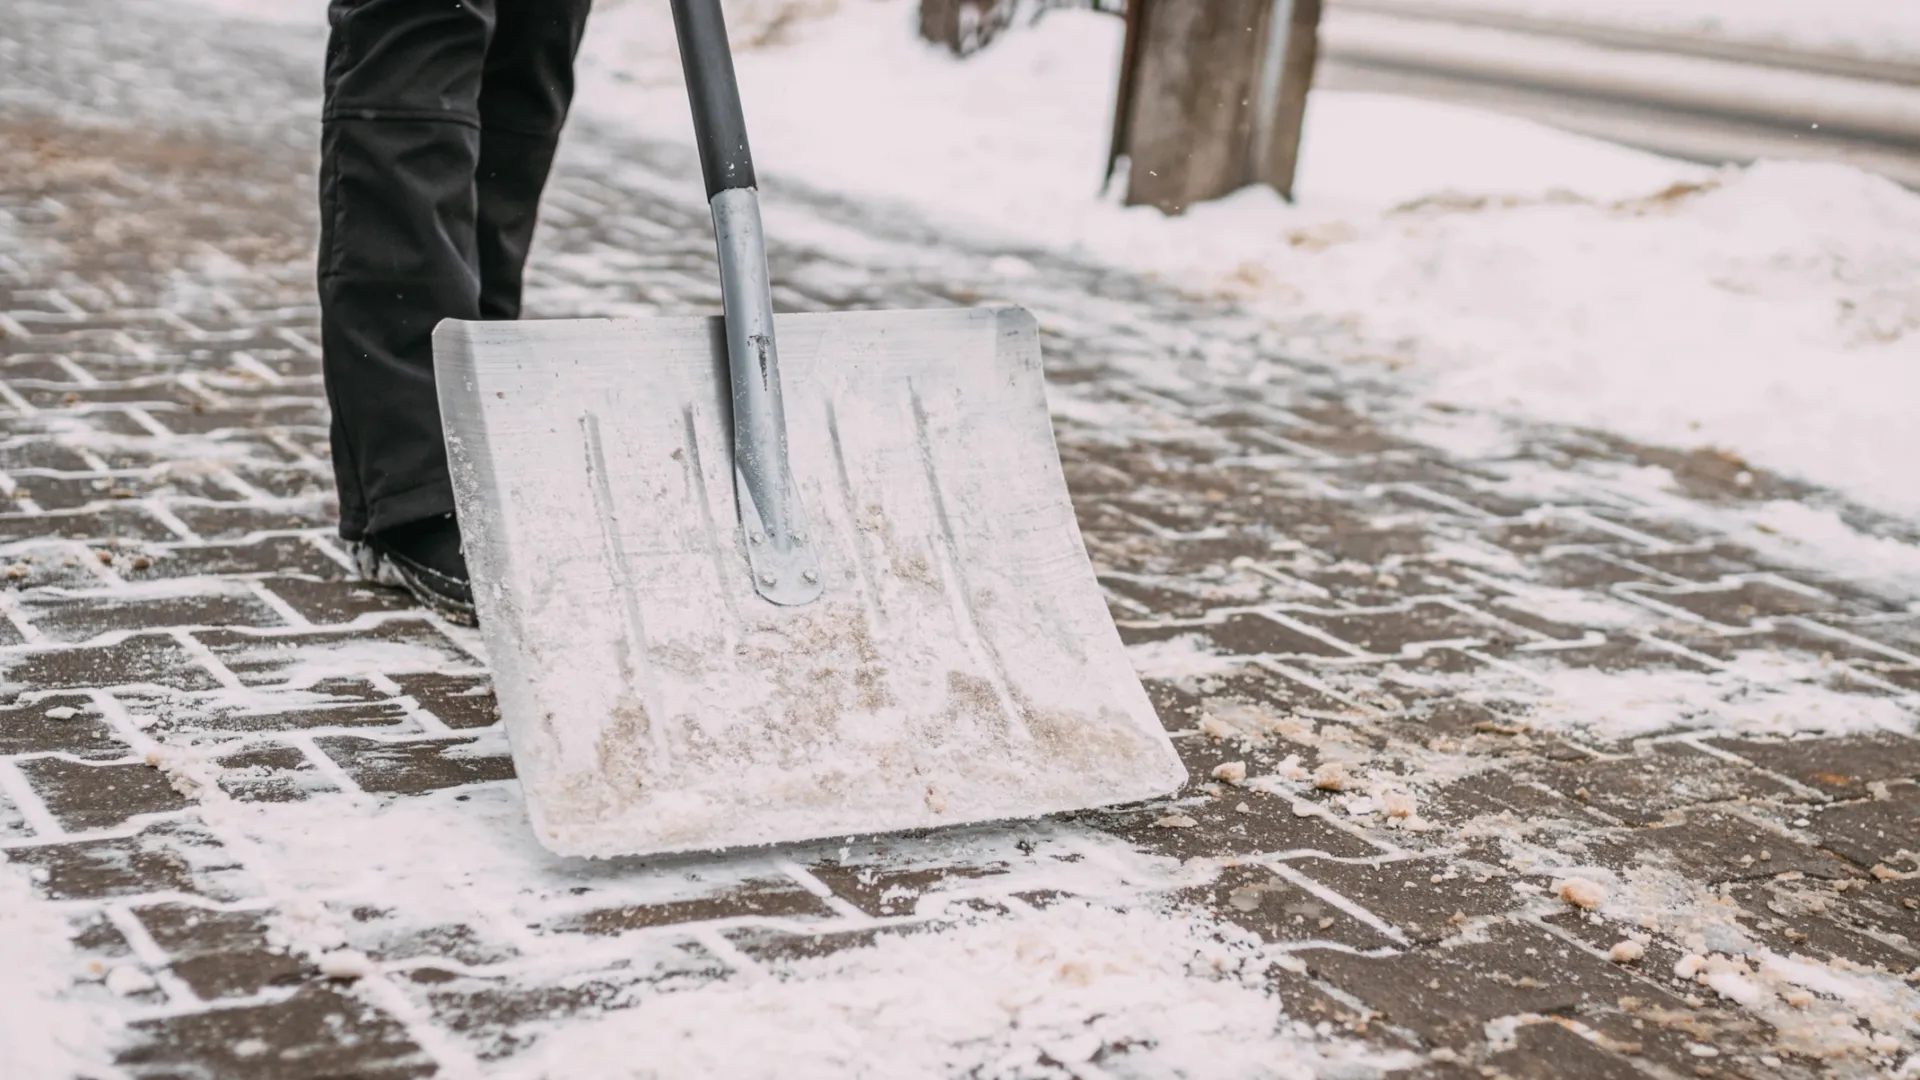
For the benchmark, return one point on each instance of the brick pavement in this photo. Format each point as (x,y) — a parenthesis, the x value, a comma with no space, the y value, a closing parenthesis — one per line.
(1424,665)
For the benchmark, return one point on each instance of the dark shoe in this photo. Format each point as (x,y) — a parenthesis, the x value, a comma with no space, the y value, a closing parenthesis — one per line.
(424,558)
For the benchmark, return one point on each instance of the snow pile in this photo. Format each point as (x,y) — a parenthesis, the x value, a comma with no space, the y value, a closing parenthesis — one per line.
(42,1034)
(1775,312)
(990,999)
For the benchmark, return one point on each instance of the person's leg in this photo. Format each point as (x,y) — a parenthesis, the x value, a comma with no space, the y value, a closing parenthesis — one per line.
(524,97)
(400,144)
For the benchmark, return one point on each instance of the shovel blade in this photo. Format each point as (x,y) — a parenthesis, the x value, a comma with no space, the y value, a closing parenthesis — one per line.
(960,665)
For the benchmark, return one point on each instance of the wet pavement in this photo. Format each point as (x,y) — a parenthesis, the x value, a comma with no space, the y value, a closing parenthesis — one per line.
(1468,703)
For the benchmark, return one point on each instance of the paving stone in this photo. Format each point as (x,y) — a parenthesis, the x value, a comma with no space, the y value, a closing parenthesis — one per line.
(1740,604)
(296,660)
(1408,896)
(1898,634)
(496,1018)
(756,896)
(385,935)
(1616,654)
(39,452)
(1219,831)
(317,1032)
(1239,634)
(1499,793)
(103,524)
(1888,910)
(286,482)
(773,946)
(85,797)
(77,492)
(271,774)
(273,555)
(82,618)
(323,602)
(179,857)
(1280,910)
(1550,1051)
(1446,994)
(458,701)
(144,659)
(388,714)
(43,565)
(1393,632)
(60,724)
(414,768)
(221,954)
(96,937)
(882,892)
(1873,831)
(232,522)
(1705,564)
(1777,913)
(1643,789)
(1717,847)
(1842,767)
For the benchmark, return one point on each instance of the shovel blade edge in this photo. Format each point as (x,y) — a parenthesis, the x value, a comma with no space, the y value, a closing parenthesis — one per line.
(960,666)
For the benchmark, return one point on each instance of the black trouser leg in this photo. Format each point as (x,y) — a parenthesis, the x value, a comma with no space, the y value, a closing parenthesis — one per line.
(524,97)
(407,223)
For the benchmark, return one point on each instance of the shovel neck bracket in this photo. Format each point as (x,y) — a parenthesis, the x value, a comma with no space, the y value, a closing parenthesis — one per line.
(773,523)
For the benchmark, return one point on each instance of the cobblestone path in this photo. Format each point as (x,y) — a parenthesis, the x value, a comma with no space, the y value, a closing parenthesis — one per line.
(1468,704)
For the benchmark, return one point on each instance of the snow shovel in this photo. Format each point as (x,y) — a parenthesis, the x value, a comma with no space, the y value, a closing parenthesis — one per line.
(739,594)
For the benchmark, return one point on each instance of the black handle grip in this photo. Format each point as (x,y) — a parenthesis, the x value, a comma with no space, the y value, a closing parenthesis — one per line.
(719,129)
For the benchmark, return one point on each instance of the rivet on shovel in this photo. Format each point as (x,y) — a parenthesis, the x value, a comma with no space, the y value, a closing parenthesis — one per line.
(809,577)
(755,538)
(768,579)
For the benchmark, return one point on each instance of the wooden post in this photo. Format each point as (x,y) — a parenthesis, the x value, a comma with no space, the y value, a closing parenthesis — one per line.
(964,26)
(1212,97)
(1277,153)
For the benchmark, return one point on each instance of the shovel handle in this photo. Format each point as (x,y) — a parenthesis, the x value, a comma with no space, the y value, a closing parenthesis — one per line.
(719,127)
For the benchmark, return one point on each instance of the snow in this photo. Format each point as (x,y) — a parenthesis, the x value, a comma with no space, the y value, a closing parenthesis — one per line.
(1759,693)
(989,991)
(45,1034)
(1232,772)
(979,999)
(1580,892)
(1882,29)
(126,980)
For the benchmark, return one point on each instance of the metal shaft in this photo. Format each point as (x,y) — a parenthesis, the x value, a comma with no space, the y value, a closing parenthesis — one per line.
(779,550)
(780,554)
